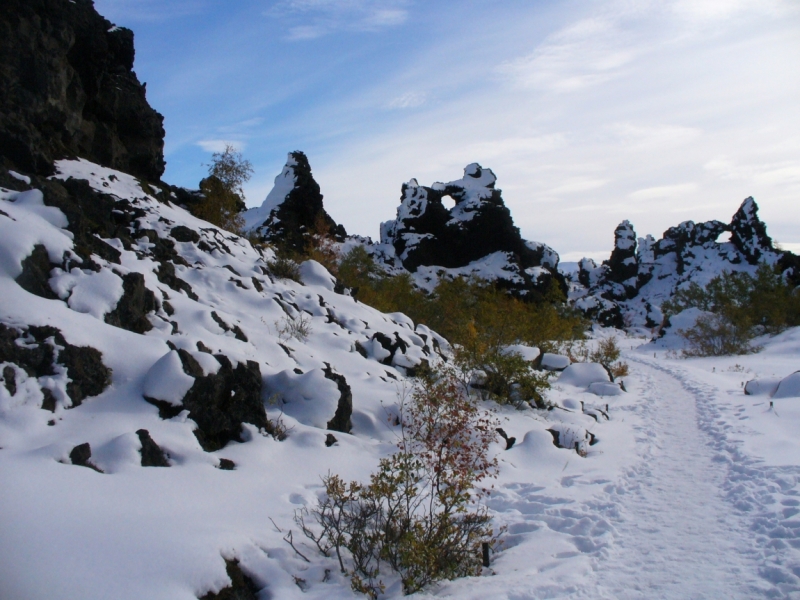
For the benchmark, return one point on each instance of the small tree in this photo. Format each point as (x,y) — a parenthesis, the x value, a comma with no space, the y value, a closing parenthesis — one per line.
(223,196)
(416,514)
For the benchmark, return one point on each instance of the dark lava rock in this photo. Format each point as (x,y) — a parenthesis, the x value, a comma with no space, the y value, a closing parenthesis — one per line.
(749,233)
(226,464)
(181,233)
(92,215)
(88,375)
(80,456)
(166,275)
(426,233)
(290,224)
(69,90)
(221,402)
(622,265)
(85,369)
(132,309)
(330,440)
(152,454)
(10,379)
(344,409)
(242,587)
(510,441)
(35,274)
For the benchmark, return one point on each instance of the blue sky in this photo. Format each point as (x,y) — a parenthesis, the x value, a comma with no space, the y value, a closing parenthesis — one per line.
(588,112)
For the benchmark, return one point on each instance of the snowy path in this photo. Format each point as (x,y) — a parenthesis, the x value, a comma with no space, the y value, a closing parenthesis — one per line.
(676,535)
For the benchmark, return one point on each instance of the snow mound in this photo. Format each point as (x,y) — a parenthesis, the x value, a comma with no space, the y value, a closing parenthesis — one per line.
(584,374)
(554,362)
(789,387)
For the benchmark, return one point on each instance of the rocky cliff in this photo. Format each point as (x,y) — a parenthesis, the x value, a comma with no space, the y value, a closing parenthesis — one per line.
(69,90)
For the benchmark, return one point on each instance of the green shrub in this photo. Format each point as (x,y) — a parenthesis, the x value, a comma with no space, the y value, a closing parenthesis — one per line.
(743,306)
(284,267)
(417,514)
(716,335)
(223,197)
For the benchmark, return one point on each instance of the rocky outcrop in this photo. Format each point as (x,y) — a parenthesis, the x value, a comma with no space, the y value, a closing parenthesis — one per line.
(344,407)
(38,350)
(293,210)
(152,454)
(477,236)
(69,90)
(629,288)
(219,402)
(242,587)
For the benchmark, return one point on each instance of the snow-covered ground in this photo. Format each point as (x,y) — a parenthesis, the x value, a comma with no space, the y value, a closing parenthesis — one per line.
(689,491)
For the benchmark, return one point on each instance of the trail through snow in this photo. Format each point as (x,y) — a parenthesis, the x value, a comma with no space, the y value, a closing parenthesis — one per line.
(676,535)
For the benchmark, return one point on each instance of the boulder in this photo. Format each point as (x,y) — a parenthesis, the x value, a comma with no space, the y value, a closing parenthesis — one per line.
(218,402)
(44,348)
(554,362)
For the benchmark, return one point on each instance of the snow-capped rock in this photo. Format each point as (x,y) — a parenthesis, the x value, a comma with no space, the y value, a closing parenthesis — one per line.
(293,210)
(476,237)
(629,288)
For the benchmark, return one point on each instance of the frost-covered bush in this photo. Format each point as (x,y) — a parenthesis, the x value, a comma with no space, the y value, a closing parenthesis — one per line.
(418,514)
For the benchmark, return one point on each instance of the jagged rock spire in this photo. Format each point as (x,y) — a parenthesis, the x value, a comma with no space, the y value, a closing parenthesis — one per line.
(293,210)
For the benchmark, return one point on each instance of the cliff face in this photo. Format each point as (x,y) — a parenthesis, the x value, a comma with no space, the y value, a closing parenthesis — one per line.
(69,90)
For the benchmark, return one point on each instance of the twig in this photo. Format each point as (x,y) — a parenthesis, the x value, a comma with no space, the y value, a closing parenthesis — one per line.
(278,529)
(288,539)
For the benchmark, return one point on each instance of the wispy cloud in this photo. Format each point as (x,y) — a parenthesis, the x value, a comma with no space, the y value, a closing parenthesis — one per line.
(587,53)
(216,145)
(311,19)
(663,191)
(408,100)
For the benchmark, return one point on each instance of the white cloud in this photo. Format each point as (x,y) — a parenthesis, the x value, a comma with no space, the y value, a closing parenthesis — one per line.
(220,145)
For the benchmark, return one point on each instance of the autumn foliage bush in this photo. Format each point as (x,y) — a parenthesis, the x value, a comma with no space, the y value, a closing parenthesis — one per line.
(419,515)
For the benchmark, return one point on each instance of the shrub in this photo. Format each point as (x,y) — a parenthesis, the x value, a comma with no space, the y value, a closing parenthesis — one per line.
(284,267)
(298,328)
(223,197)
(418,514)
(321,245)
(715,335)
(742,306)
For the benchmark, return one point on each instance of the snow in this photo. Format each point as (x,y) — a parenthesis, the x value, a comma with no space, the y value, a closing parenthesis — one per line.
(691,489)
(20,177)
(789,387)
(555,362)
(166,380)
(583,374)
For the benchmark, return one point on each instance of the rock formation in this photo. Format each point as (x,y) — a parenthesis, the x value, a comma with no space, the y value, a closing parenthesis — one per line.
(69,90)
(293,210)
(628,289)
(477,236)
